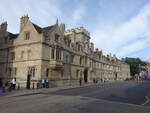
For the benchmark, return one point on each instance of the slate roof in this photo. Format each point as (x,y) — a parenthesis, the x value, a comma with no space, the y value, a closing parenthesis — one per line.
(12,36)
(42,30)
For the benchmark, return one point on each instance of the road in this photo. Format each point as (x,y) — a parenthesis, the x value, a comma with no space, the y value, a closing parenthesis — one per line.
(119,97)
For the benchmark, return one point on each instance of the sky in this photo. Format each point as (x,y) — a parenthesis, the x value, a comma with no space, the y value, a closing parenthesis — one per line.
(120,27)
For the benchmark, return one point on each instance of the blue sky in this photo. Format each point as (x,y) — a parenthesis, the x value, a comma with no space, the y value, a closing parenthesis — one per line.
(121,27)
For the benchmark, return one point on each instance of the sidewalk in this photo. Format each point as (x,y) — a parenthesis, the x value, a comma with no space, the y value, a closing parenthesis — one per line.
(24,92)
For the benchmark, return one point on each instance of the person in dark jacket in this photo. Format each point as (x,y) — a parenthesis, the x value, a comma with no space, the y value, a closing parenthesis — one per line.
(80,81)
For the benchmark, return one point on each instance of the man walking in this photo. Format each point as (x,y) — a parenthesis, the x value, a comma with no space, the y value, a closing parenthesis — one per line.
(47,83)
(43,83)
(80,81)
(13,83)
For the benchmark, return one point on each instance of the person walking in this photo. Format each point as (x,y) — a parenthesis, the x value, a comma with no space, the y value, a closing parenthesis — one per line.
(47,83)
(80,81)
(43,83)
(13,83)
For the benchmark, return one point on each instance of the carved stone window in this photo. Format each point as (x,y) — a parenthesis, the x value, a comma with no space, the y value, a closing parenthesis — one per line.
(12,55)
(47,72)
(53,53)
(22,54)
(27,35)
(10,71)
(80,61)
(29,54)
(32,71)
(72,59)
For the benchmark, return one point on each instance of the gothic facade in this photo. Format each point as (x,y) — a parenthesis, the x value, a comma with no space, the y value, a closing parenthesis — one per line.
(55,53)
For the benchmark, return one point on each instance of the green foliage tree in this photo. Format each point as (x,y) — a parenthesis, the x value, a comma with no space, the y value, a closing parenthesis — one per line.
(135,64)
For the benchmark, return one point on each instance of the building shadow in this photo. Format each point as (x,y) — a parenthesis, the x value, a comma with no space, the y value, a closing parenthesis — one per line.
(133,95)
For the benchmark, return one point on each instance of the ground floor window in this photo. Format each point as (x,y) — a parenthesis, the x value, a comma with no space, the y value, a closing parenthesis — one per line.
(47,72)
(77,73)
(32,71)
(53,54)
(9,71)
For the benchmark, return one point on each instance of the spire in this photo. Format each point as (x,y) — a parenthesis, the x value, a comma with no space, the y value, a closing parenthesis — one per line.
(57,21)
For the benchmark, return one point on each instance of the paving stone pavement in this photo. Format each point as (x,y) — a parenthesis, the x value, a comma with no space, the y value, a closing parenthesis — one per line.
(23,92)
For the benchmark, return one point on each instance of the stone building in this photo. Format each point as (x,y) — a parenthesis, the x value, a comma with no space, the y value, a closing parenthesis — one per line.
(148,69)
(55,53)
(145,70)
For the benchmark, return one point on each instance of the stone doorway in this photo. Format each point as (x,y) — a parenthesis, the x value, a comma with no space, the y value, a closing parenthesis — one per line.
(85,75)
(28,78)
(116,76)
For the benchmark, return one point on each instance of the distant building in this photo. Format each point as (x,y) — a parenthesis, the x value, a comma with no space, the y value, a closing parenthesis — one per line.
(55,53)
(148,69)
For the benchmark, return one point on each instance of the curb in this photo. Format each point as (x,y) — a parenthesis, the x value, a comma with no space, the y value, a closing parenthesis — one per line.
(48,90)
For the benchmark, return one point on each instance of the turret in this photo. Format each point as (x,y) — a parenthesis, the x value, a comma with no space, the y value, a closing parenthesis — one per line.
(3,26)
(62,27)
(79,34)
(92,46)
(114,57)
(23,22)
(3,29)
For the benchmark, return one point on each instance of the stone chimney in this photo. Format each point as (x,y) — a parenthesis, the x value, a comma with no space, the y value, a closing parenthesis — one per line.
(3,29)
(62,27)
(114,57)
(3,26)
(23,21)
(110,56)
(97,50)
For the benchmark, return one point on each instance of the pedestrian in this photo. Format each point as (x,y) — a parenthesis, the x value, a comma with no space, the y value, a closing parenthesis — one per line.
(96,81)
(80,81)
(47,83)
(13,83)
(43,83)
(101,80)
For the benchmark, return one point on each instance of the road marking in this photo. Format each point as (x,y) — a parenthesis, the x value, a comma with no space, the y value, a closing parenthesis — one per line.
(147,99)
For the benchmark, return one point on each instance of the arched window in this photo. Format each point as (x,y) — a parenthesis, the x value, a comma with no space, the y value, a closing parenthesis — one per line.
(27,35)
(53,54)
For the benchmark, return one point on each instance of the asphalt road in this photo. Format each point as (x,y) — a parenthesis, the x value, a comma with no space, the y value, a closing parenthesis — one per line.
(120,97)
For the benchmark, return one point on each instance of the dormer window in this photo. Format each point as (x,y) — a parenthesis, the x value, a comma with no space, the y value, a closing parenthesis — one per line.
(27,35)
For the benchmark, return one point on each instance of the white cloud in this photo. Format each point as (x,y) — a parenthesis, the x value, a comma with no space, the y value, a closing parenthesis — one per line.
(138,45)
(41,12)
(78,14)
(125,38)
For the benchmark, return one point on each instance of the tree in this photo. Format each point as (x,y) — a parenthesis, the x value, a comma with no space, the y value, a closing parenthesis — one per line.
(135,64)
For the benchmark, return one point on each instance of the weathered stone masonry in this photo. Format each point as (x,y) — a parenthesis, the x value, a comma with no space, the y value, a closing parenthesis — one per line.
(55,53)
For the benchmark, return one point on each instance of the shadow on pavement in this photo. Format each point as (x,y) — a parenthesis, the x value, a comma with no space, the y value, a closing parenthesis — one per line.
(133,95)
(132,92)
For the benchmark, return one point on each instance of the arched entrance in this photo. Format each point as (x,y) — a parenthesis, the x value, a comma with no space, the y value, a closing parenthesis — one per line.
(86,75)
(116,75)
(28,79)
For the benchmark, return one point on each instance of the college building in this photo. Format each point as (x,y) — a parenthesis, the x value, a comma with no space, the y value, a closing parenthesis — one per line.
(55,53)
